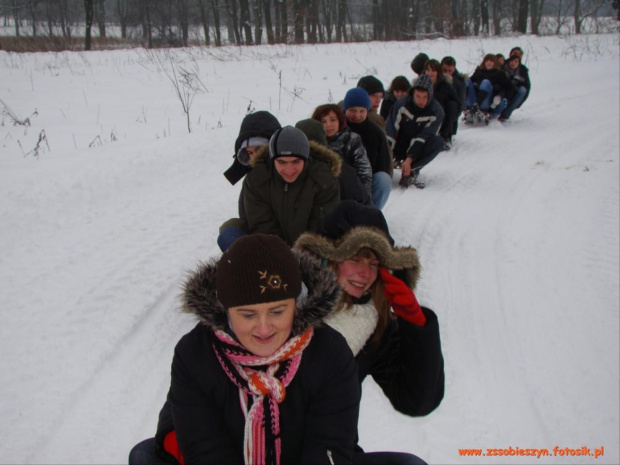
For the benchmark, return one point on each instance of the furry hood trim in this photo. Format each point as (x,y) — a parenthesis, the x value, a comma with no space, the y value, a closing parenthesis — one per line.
(317,152)
(403,259)
(316,300)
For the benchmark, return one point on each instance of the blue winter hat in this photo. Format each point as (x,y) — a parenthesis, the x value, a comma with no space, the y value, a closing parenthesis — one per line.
(356,97)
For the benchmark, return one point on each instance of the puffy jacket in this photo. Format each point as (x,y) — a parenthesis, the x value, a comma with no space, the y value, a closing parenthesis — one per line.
(273,206)
(349,146)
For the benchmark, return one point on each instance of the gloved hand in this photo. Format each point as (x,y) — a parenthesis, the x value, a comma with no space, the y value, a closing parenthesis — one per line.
(402,299)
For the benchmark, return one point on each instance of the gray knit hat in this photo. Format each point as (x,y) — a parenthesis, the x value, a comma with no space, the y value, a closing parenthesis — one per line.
(289,142)
(257,268)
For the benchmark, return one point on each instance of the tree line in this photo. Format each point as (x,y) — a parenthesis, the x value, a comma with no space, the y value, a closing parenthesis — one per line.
(254,22)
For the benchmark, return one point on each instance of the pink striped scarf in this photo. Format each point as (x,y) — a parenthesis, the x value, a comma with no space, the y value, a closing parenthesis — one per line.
(261,442)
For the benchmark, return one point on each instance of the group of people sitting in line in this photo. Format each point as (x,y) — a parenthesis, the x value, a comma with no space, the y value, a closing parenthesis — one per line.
(311,294)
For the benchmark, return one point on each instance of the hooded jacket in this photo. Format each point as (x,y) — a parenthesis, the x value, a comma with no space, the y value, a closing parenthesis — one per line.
(407,362)
(409,127)
(259,124)
(320,410)
(273,206)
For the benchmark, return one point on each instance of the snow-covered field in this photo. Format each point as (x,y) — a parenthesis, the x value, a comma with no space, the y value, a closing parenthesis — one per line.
(517,231)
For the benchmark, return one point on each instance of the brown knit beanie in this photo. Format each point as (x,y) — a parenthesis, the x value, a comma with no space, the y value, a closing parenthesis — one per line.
(257,268)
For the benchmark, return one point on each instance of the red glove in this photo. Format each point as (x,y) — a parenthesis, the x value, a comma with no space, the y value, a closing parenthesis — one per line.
(402,299)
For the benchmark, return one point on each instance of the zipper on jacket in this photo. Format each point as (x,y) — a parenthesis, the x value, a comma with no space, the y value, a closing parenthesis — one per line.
(329,456)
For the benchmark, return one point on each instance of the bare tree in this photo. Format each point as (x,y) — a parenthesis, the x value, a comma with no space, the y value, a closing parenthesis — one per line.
(100,16)
(245,21)
(88,9)
(522,16)
(268,25)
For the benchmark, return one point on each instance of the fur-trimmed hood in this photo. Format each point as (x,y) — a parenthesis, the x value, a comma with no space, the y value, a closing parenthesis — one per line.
(317,152)
(316,301)
(401,259)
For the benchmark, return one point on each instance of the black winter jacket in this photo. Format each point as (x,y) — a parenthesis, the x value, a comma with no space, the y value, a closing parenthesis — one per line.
(407,364)
(349,146)
(320,410)
(444,92)
(376,145)
(409,127)
(520,77)
(498,79)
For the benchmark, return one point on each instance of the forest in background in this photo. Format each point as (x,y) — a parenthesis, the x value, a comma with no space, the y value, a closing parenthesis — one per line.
(87,24)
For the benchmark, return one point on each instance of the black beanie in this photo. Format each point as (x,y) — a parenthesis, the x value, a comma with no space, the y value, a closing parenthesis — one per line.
(289,142)
(370,84)
(257,268)
(350,214)
(417,64)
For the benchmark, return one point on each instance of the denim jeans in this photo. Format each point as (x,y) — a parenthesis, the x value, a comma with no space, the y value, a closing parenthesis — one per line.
(144,454)
(472,93)
(515,102)
(227,236)
(381,188)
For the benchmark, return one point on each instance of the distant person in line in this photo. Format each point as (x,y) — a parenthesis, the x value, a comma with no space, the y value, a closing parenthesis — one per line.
(448,68)
(499,61)
(288,191)
(413,127)
(347,144)
(418,62)
(447,97)
(393,338)
(376,91)
(489,89)
(254,133)
(399,87)
(351,188)
(520,77)
(259,379)
(356,104)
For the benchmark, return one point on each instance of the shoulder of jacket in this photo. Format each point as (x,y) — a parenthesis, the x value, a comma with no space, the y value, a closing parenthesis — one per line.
(325,155)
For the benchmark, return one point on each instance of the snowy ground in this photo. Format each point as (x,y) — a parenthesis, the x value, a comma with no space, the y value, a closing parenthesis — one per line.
(517,230)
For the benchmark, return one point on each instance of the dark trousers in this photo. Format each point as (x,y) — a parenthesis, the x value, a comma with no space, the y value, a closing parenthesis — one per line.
(144,454)
(431,149)
(450,119)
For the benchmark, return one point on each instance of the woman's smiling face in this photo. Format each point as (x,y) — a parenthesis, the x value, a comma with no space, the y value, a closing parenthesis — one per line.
(357,274)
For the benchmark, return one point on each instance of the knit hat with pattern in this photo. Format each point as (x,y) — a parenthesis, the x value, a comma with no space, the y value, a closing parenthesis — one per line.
(257,268)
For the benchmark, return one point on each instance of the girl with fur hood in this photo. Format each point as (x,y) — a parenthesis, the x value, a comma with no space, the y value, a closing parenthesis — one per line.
(259,379)
(393,338)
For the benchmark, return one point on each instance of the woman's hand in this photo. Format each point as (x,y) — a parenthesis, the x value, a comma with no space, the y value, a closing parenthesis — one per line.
(402,299)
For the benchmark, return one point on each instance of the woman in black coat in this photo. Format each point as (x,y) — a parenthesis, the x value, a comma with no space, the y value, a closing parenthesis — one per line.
(393,338)
(259,379)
